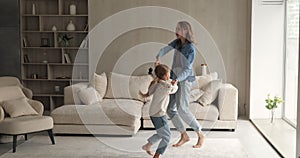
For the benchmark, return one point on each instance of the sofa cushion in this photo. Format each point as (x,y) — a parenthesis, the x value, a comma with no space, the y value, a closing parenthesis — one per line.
(210,92)
(71,93)
(89,96)
(10,93)
(203,80)
(108,112)
(100,83)
(210,112)
(127,87)
(196,94)
(18,107)
(25,124)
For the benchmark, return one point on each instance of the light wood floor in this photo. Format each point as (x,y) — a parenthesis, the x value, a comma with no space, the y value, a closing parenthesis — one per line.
(255,145)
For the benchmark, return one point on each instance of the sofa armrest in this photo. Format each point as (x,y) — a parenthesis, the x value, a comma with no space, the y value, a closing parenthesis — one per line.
(1,114)
(37,106)
(228,102)
(27,92)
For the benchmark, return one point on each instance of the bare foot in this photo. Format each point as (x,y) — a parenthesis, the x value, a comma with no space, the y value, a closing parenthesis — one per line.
(200,141)
(184,138)
(156,155)
(147,148)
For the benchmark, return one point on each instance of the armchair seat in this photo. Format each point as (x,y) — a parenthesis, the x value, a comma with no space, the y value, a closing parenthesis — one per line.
(25,124)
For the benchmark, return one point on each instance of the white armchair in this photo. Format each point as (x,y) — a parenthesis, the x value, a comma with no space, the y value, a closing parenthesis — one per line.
(19,115)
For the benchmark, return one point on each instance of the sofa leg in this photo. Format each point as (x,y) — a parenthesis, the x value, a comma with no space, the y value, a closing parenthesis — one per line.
(14,143)
(50,133)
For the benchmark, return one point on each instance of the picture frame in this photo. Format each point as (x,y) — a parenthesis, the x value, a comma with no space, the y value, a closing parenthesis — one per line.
(45,42)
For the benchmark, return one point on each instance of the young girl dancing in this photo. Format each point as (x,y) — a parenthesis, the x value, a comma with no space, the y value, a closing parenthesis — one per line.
(160,88)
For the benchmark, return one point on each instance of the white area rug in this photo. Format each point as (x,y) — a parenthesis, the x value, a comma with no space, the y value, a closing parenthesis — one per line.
(121,147)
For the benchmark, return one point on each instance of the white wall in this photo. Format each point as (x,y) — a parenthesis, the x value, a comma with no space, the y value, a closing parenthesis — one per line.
(227,21)
(267,54)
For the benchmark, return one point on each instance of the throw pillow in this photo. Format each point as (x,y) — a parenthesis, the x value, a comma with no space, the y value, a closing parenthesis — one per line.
(195,84)
(210,92)
(127,87)
(100,83)
(71,93)
(196,94)
(11,93)
(89,96)
(203,80)
(18,107)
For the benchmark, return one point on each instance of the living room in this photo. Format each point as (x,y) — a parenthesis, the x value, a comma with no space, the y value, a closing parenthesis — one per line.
(62,51)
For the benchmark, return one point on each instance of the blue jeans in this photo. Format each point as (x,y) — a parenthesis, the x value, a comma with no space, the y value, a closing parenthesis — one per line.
(178,108)
(163,133)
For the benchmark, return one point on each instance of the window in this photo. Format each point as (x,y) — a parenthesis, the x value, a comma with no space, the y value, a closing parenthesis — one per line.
(291,61)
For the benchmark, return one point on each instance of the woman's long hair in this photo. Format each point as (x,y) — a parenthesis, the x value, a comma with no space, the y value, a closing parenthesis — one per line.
(160,71)
(190,35)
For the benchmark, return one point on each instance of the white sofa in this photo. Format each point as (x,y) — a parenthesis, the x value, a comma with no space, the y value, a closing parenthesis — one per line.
(123,112)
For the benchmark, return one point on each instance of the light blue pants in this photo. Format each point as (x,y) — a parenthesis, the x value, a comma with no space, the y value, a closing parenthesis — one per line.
(178,108)
(163,133)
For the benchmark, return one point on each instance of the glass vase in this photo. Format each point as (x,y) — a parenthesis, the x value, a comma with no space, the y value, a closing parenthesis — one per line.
(272,115)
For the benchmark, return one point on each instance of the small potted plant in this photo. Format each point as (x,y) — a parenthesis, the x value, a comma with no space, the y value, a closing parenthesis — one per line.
(272,104)
(64,39)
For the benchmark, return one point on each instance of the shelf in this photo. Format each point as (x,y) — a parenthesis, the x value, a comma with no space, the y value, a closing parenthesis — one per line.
(54,15)
(58,64)
(48,95)
(55,48)
(42,66)
(29,31)
(41,48)
(70,64)
(34,63)
(31,79)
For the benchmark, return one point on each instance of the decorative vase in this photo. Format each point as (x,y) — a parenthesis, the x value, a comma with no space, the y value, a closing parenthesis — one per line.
(71,26)
(33,9)
(72,9)
(272,115)
(203,69)
(54,28)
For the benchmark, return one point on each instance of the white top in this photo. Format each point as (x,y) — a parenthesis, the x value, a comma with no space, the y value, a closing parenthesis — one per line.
(160,99)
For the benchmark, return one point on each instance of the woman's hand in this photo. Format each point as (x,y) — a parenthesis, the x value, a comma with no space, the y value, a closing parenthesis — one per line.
(157,62)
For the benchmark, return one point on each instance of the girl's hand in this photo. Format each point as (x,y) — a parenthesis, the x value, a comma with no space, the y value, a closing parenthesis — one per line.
(174,82)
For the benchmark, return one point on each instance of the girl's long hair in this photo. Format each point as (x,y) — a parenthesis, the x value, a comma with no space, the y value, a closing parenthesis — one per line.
(160,71)
(190,35)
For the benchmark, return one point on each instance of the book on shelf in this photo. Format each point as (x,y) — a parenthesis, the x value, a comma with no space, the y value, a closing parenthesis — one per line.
(86,27)
(67,58)
(26,59)
(25,42)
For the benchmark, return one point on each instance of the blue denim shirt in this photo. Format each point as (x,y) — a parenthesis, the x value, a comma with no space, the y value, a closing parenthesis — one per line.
(182,67)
